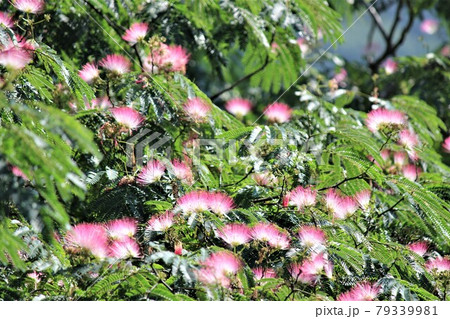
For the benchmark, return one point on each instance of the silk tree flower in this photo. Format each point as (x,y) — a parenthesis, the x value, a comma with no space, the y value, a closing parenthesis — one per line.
(29,6)
(18,172)
(136,33)
(182,171)
(220,203)
(197,110)
(446,145)
(270,234)
(385,154)
(122,228)
(303,45)
(280,241)
(311,236)
(178,249)
(264,179)
(89,72)
(217,269)
(438,264)
(429,26)
(411,172)
(341,76)
(408,139)
(89,237)
(36,276)
(420,247)
(381,118)
(124,248)
(400,158)
(238,107)
(310,270)
(346,208)
(151,172)
(445,51)
(15,58)
(390,66)
(128,117)
(116,63)
(6,19)
(101,103)
(363,198)
(261,273)
(301,197)
(363,291)
(332,200)
(278,112)
(161,222)
(235,234)
(171,57)
(193,202)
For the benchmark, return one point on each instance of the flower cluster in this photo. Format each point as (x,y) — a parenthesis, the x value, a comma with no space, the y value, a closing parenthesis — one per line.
(218,269)
(17,52)
(310,270)
(380,119)
(154,170)
(200,201)
(172,58)
(364,291)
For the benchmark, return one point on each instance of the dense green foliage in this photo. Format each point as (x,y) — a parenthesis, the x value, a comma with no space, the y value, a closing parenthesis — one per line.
(66,161)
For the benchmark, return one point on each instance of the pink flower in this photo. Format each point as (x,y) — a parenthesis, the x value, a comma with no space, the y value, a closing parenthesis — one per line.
(173,57)
(445,51)
(128,117)
(100,102)
(150,173)
(429,26)
(311,236)
(408,139)
(217,269)
(36,276)
(235,234)
(116,63)
(390,66)
(193,202)
(136,33)
(161,222)
(332,200)
(278,112)
(182,171)
(89,72)
(15,58)
(6,19)
(90,237)
(446,145)
(347,207)
(122,228)
(197,110)
(439,264)
(381,118)
(18,172)
(363,198)
(361,292)
(264,179)
(29,6)
(303,45)
(311,269)
(261,273)
(301,197)
(124,248)
(269,233)
(220,203)
(238,107)
(400,158)
(178,249)
(385,154)
(420,247)
(411,172)
(341,76)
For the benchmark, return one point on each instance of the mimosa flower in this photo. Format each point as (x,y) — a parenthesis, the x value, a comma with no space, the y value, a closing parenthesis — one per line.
(301,197)
(446,145)
(278,112)
(128,117)
(6,19)
(89,72)
(122,228)
(197,110)
(438,264)
(124,248)
(150,173)
(235,234)
(420,247)
(161,222)
(116,63)
(238,107)
(361,292)
(381,118)
(15,58)
(29,6)
(182,171)
(90,237)
(363,198)
(261,273)
(411,172)
(136,33)
(429,26)
(193,202)
(220,203)
(390,66)
(311,236)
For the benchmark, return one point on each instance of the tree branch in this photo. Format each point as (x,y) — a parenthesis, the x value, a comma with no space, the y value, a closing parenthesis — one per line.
(377,20)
